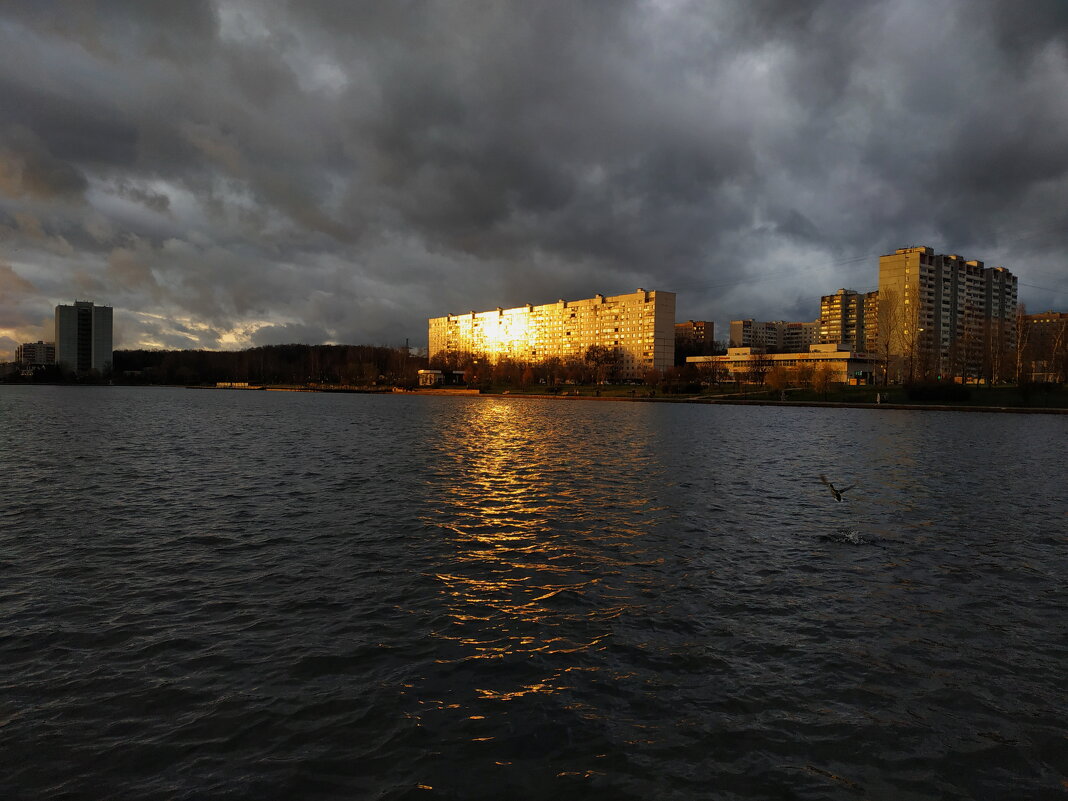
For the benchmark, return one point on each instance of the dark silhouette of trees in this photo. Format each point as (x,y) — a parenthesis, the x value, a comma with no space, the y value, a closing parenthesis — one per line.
(341,365)
(759,364)
(823,379)
(685,349)
(1042,347)
(603,361)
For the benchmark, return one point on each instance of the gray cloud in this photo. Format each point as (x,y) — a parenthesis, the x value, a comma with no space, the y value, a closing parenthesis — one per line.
(228,172)
(29,169)
(289,333)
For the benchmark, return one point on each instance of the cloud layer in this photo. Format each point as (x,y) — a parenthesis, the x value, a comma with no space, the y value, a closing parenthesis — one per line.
(236,173)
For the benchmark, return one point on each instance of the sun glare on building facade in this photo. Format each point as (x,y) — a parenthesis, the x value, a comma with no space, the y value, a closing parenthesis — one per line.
(639,327)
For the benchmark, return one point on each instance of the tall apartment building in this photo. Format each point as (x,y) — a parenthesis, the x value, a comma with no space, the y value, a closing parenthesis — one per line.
(83,337)
(944,314)
(640,326)
(850,318)
(36,354)
(777,336)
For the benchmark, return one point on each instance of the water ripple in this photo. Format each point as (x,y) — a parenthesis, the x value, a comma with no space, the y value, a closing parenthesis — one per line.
(278,595)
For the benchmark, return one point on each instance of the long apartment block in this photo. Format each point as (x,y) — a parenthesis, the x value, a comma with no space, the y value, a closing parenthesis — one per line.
(640,326)
(774,336)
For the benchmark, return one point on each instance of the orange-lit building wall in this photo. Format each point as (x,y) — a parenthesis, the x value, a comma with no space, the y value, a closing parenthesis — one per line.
(639,325)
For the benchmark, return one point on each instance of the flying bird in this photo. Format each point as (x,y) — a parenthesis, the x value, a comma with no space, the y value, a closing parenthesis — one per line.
(837,493)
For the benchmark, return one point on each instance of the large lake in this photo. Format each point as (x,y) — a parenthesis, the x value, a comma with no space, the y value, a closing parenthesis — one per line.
(261,595)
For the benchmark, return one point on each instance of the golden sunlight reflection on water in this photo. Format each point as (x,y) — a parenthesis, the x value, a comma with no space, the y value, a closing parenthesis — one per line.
(541,540)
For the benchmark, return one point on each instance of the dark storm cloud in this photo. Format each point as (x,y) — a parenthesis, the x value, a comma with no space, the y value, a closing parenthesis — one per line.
(228,172)
(29,169)
(289,333)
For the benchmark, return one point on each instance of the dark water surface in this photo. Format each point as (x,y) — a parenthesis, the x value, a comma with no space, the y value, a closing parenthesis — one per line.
(277,595)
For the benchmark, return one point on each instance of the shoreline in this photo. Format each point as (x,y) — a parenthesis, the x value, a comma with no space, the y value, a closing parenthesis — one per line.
(690,399)
(920,407)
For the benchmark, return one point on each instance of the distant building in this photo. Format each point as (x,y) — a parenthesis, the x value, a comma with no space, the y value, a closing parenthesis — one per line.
(695,333)
(438,378)
(845,365)
(1043,343)
(942,315)
(36,354)
(777,336)
(83,337)
(638,328)
(850,318)
(694,338)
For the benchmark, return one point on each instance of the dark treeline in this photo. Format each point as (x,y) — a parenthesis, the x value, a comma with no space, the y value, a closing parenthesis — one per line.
(597,365)
(356,365)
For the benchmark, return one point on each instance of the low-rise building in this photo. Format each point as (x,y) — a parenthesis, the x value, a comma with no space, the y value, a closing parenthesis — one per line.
(1043,344)
(440,378)
(845,365)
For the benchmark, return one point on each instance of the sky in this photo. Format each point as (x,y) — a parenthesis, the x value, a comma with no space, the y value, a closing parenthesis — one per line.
(228,174)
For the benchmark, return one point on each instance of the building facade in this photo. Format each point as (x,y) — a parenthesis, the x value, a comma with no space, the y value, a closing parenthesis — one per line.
(83,337)
(943,315)
(637,328)
(842,364)
(850,318)
(694,338)
(695,333)
(777,336)
(1043,347)
(36,354)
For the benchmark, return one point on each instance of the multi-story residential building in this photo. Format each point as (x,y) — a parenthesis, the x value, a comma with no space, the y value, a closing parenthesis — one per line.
(798,337)
(83,337)
(36,354)
(850,318)
(638,327)
(777,336)
(944,315)
(695,333)
(694,338)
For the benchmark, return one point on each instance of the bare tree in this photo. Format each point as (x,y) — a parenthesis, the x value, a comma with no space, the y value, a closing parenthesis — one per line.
(996,356)
(890,325)
(604,362)
(777,378)
(1023,340)
(1058,352)
(759,365)
(822,378)
(1042,351)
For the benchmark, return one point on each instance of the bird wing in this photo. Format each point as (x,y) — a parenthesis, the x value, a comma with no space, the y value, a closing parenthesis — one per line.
(847,489)
(823,480)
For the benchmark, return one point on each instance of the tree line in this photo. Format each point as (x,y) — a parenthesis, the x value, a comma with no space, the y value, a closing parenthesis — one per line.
(349,365)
